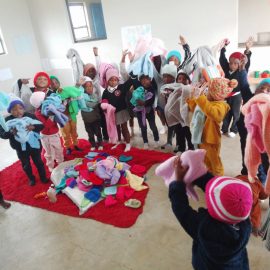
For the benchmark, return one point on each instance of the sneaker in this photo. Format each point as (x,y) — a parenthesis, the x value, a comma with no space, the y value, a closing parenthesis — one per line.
(68,151)
(100,148)
(44,180)
(176,149)
(166,146)
(128,146)
(231,134)
(32,182)
(92,148)
(145,146)
(115,146)
(156,144)
(163,130)
(77,148)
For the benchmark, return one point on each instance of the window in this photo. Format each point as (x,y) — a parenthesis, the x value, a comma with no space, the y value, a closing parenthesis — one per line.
(2,45)
(86,19)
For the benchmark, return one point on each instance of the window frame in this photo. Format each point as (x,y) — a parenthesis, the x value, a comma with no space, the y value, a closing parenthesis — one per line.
(68,4)
(2,44)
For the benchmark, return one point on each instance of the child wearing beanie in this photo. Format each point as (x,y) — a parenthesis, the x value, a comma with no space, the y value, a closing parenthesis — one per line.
(23,91)
(23,137)
(215,109)
(237,69)
(50,138)
(91,115)
(115,94)
(221,232)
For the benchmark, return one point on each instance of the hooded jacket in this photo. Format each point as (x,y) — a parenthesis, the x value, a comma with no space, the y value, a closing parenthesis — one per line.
(216,245)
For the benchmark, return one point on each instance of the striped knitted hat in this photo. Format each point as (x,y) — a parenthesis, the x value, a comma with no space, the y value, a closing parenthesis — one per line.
(228,199)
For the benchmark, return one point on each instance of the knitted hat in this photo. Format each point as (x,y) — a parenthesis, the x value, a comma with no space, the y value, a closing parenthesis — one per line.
(52,77)
(170,69)
(37,98)
(220,88)
(194,160)
(264,81)
(87,67)
(174,53)
(87,79)
(13,103)
(236,55)
(228,199)
(112,72)
(39,74)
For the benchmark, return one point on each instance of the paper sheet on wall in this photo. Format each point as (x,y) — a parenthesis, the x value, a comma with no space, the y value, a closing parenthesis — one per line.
(5,74)
(131,34)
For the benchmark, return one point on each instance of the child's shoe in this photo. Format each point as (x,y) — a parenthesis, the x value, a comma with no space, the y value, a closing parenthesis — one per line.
(100,148)
(77,148)
(44,180)
(128,146)
(68,151)
(145,146)
(32,182)
(156,144)
(92,148)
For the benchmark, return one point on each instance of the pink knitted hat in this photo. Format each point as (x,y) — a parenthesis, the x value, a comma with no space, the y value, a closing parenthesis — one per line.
(112,72)
(228,199)
(194,160)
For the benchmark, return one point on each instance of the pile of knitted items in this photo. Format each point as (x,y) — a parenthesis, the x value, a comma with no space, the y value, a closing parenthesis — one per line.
(140,94)
(108,178)
(90,101)
(194,160)
(109,112)
(24,136)
(4,102)
(73,96)
(257,122)
(53,105)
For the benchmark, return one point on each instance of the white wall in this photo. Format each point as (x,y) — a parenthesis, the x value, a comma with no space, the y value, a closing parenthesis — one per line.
(201,22)
(254,18)
(23,56)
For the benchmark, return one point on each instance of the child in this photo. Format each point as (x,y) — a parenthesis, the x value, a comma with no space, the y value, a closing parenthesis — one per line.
(91,114)
(215,108)
(232,70)
(183,133)
(175,56)
(3,203)
(115,93)
(221,232)
(50,138)
(147,106)
(169,74)
(32,147)
(70,96)
(55,83)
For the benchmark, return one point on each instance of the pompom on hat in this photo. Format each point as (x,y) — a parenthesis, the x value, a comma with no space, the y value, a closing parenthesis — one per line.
(236,55)
(220,88)
(228,199)
(37,98)
(39,74)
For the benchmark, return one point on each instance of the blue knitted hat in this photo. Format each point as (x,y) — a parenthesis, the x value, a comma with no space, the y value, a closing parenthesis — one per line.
(13,103)
(174,53)
(264,81)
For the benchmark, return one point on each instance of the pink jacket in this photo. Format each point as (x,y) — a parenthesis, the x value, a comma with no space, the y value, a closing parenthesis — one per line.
(257,121)
(110,121)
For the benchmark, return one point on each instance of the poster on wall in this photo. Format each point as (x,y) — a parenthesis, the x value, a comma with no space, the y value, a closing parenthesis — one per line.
(131,34)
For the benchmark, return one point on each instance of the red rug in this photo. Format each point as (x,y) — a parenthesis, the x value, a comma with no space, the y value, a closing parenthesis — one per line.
(14,185)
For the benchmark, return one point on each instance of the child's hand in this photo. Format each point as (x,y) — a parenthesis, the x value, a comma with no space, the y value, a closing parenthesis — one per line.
(249,43)
(124,54)
(81,80)
(59,90)
(140,102)
(30,128)
(131,57)
(180,170)
(14,131)
(199,90)
(182,41)
(95,51)
(25,81)
(243,63)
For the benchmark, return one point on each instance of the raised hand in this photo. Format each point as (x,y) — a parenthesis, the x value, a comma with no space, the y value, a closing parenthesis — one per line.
(182,41)
(249,43)
(95,51)
(180,170)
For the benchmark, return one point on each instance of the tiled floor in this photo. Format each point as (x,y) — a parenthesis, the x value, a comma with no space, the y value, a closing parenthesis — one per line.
(34,239)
